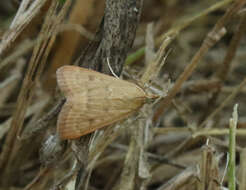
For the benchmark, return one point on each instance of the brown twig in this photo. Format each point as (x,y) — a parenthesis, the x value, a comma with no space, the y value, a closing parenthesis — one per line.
(213,37)
(227,62)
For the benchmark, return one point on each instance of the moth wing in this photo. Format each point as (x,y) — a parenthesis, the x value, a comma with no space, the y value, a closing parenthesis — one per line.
(94,100)
(74,80)
(72,123)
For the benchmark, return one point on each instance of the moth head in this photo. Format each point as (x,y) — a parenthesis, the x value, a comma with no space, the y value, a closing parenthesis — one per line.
(151,97)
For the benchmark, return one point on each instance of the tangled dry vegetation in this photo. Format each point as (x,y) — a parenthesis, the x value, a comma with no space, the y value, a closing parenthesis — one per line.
(190,53)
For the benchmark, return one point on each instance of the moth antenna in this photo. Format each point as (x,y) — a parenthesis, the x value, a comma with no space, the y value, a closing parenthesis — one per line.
(111,70)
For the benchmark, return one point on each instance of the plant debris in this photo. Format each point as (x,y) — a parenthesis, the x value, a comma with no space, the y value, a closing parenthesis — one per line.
(190,54)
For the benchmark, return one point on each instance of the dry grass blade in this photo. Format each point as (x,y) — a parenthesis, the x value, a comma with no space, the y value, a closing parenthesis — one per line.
(242,178)
(213,37)
(24,16)
(180,181)
(209,170)
(34,71)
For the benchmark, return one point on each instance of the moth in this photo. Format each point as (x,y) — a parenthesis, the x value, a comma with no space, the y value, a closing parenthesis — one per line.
(94,100)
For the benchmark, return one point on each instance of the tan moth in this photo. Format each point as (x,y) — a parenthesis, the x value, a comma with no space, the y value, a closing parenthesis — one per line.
(94,100)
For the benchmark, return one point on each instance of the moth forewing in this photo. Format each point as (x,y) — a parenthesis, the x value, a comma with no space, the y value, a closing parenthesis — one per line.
(94,100)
